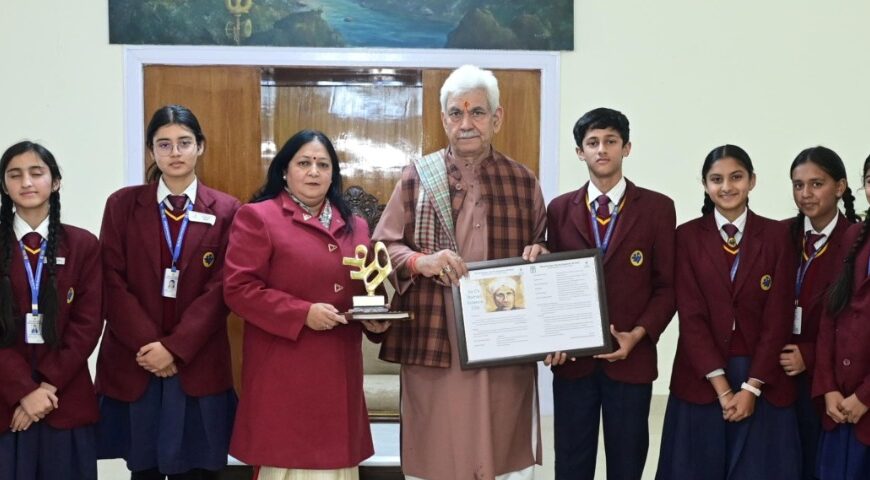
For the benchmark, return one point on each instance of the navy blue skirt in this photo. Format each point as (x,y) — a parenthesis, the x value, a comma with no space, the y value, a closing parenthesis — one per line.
(698,444)
(166,429)
(842,456)
(43,452)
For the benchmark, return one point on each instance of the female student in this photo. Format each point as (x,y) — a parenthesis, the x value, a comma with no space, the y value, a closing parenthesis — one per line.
(729,414)
(50,300)
(819,182)
(842,373)
(163,373)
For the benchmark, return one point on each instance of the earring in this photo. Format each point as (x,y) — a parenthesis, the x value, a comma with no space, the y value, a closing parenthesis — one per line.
(284,177)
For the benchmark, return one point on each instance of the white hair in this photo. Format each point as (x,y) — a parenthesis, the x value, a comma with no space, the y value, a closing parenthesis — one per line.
(467,78)
(498,283)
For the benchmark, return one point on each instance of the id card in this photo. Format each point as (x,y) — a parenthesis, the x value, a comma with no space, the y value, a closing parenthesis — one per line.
(796,326)
(170,283)
(201,217)
(34,329)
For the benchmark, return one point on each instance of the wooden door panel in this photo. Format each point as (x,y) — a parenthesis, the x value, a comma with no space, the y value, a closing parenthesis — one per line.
(375,130)
(226,101)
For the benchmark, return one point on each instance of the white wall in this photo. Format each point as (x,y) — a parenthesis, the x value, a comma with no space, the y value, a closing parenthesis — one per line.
(773,77)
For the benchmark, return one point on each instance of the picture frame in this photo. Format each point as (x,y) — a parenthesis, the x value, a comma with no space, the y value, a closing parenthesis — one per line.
(511,311)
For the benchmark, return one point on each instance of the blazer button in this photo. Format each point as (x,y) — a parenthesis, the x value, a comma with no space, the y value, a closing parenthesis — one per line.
(846,362)
(459,186)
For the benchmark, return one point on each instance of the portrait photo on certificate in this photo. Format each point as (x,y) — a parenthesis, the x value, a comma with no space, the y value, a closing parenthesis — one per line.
(514,311)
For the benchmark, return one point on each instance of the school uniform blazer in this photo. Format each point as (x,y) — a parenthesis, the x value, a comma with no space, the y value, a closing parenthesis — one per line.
(79,289)
(131,238)
(761,299)
(302,403)
(640,288)
(842,352)
(824,271)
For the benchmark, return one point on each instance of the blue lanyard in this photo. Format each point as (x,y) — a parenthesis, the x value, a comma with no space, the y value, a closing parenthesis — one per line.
(802,272)
(176,250)
(607,234)
(34,280)
(734,267)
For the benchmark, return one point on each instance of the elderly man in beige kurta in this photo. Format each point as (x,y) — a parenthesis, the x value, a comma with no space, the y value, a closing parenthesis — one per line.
(461,424)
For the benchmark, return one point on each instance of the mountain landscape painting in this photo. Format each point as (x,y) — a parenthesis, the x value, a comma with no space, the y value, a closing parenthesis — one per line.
(471,24)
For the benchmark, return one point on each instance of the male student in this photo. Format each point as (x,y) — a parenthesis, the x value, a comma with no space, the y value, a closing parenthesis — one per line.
(634,229)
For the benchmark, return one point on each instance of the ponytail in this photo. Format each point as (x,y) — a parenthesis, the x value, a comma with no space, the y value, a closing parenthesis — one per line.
(849,206)
(708,206)
(840,293)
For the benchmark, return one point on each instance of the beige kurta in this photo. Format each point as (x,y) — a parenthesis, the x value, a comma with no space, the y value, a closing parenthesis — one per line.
(463,424)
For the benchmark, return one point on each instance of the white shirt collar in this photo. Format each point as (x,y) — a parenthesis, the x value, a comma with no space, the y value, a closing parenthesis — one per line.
(829,228)
(22,228)
(163,191)
(615,194)
(739,222)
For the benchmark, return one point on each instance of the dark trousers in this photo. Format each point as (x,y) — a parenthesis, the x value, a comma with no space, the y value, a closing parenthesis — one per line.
(578,407)
(809,426)
(154,474)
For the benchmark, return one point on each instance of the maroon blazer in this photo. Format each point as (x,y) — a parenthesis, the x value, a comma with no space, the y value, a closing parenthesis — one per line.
(637,295)
(842,352)
(131,238)
(824,271)
(302,403)
(761,299)
(79,323)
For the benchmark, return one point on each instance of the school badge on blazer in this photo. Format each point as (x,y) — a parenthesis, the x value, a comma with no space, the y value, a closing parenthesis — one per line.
(208,259)
(70,295)
(766,282)
(636,258)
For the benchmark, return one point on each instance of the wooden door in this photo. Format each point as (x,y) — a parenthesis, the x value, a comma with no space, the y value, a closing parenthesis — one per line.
(377,129)
(226,101)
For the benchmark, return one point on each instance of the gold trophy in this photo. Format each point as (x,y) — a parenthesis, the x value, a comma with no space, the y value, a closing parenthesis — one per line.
(371,306)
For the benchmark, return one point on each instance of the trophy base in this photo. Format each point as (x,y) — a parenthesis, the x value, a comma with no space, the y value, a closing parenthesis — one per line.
(379,313)
(369,301)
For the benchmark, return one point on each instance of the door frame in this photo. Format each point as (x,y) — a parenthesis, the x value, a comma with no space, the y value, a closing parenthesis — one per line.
(136,57)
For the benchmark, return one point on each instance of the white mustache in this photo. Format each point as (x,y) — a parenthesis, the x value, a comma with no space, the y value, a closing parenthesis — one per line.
(468,134)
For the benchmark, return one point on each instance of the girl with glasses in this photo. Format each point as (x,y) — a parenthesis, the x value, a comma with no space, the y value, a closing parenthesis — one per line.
(163,373)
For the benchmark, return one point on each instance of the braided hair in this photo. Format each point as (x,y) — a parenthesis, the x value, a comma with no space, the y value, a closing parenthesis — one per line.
(840,293)
(48,301)
(832,164)
(718,153)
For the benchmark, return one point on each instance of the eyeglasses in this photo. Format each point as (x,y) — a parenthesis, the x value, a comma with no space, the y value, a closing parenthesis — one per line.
(476,114)
(164,148)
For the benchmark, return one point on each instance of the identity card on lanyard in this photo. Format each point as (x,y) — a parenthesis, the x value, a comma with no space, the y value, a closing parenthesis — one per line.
(33,319)
(170,275)
(798,284)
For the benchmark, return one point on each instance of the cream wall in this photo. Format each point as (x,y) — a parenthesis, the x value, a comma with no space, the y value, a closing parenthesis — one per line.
(773,77)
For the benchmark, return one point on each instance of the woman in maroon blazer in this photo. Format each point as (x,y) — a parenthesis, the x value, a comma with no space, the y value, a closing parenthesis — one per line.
(819,182)
(47,402)
(302,405)
(730,412)
(842,374)
(163,372)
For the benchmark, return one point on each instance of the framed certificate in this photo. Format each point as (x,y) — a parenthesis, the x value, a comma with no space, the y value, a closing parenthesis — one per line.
(513,311)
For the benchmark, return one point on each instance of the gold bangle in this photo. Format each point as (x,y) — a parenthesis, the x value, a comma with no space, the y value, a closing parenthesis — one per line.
(726,392)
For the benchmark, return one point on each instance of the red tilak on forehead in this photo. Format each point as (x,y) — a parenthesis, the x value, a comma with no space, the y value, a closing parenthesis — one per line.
(466,105)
